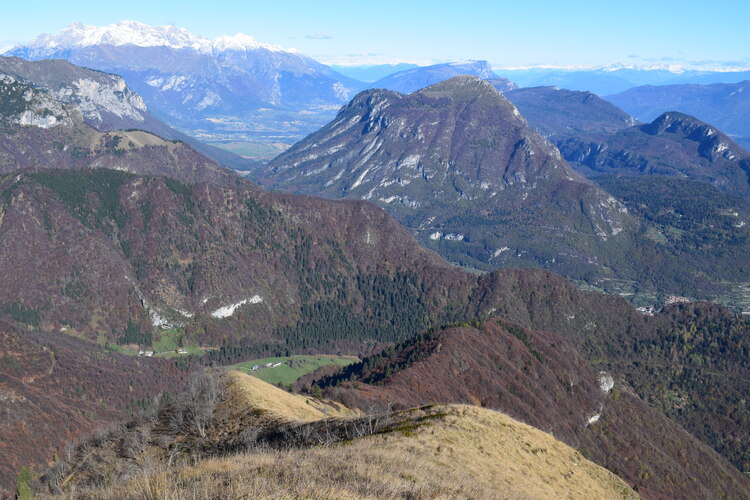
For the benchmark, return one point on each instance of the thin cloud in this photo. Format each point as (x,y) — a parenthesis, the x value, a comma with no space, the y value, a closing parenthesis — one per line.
(366,59)
(318,36)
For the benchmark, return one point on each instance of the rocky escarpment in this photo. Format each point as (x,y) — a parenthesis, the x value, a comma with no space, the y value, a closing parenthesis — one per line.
(105,102)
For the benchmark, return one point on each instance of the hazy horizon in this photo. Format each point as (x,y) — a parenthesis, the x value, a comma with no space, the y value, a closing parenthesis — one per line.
(586,34)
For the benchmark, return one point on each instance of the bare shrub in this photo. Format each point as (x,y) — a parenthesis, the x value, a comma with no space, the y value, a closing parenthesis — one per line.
(134,443)
(194,409)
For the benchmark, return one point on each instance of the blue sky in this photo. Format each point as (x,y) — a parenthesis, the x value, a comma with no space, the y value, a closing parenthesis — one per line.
(508,34)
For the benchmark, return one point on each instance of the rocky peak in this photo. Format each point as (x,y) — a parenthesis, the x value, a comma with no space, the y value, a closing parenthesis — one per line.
(712,143)
(413,79)
(672,122)
(463,88)
(100,97)
(444,158)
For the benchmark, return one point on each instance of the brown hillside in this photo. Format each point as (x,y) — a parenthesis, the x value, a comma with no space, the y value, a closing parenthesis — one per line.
(448,451)
(539,378)
(55,389)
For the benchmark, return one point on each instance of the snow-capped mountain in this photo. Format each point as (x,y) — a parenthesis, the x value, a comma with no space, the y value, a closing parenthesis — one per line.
(231,87)
(79,35)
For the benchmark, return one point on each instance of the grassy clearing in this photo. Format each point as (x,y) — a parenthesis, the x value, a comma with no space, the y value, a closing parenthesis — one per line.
(122,349)
(168,339)
(292,368)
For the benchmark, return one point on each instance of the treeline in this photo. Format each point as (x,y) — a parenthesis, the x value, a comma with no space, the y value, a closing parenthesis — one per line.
(379,366)
(75,187)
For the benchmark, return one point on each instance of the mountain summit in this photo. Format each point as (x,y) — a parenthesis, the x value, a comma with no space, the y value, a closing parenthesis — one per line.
(412,79)
(459,165)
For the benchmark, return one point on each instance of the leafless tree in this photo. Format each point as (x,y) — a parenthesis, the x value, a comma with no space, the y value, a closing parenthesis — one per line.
(194,410)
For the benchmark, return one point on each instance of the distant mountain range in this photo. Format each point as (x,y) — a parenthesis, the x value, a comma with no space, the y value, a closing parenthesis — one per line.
(724,105)
(227,88)
(413,79)
(372,73)
(616,78)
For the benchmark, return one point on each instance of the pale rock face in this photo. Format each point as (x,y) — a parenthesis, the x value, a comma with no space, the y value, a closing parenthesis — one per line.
(227,311)
(93,97)
(32,119)
(340,91)
(41,110)
(593,419)
(606,382)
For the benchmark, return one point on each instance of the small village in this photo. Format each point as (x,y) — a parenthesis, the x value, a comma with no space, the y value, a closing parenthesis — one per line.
(150,354)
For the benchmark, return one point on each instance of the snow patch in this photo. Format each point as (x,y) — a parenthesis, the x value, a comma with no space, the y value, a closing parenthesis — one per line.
(336,177)
(209,99)
(360,178)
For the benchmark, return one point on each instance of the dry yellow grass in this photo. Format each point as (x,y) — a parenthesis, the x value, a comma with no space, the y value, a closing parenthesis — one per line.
(248,392)
(138,139)
(449,451)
